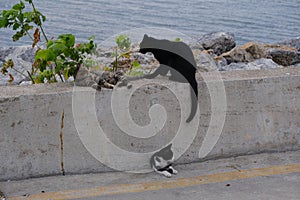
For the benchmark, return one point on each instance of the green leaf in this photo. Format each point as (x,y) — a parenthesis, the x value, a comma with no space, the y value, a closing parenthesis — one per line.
(66,73)
(10,14)
(45,55)
(27,27)
(68,39)
(28,16)
(6,65)
(21,17)
(59,66)
(92,37)
(57,48)
(19,6)
(136,65)
(3,22)
(18,35)
(43,17)
(49,43)
(136,73)
(16,26)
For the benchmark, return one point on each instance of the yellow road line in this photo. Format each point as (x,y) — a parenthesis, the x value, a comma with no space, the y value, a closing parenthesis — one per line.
(165,184)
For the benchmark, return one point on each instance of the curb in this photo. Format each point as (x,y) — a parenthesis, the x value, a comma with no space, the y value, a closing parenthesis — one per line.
(263,113)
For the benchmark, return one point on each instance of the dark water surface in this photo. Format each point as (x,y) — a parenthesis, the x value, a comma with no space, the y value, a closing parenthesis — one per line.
(259,20)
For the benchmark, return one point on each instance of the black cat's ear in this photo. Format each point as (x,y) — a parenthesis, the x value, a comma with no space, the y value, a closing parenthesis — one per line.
(169,146)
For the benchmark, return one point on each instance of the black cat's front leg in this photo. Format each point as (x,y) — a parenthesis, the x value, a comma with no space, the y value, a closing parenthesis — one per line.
(161,70)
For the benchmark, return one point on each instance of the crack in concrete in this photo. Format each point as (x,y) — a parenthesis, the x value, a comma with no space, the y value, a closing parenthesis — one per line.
(62,143)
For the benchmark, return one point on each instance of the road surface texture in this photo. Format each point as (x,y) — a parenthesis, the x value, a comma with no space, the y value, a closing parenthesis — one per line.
(265,176)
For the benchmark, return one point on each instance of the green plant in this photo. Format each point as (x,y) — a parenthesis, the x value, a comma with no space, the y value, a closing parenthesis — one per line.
(123,45)
(22,22)
(135,69)
(123,42)
(60,56)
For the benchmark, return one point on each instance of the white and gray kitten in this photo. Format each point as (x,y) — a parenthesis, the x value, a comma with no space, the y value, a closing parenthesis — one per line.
(161,162)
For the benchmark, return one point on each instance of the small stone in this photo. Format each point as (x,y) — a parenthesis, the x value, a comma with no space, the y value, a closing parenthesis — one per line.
(26,83)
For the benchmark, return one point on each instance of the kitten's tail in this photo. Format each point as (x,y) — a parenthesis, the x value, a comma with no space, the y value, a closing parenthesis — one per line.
(194,99)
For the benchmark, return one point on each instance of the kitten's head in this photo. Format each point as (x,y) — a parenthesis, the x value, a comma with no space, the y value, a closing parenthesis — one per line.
(164,157)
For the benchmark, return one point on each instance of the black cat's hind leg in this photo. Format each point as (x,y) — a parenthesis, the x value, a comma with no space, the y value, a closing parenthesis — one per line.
(177,76)
(194,98)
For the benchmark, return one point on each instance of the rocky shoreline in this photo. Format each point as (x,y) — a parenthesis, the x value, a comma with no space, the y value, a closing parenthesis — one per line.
(213,52)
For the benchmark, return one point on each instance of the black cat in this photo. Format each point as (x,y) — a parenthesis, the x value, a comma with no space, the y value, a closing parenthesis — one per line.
(176,57)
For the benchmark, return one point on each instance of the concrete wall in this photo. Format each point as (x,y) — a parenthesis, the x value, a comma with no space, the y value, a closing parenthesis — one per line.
(38,136)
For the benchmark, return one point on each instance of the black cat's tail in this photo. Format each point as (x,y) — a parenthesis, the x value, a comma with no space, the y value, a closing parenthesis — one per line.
(194,99)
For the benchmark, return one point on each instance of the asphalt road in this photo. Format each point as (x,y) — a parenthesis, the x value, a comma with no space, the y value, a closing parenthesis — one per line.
(273,176)
(277,187)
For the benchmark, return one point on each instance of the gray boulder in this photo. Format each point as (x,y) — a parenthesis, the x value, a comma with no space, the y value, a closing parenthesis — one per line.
(219,42)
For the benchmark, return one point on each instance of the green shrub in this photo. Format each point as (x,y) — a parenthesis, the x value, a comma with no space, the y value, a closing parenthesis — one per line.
(59,57)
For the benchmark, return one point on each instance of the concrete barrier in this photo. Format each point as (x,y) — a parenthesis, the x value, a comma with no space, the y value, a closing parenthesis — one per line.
(38,136)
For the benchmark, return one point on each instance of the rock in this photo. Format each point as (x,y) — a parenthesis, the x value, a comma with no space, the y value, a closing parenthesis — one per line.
(246,53)
(196,46)
(144,59)
(295,42)
(26,83)
(205,61)
(219,42)
(233,66)
(22,57)
(281,54)
(262,63)
(284,57)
